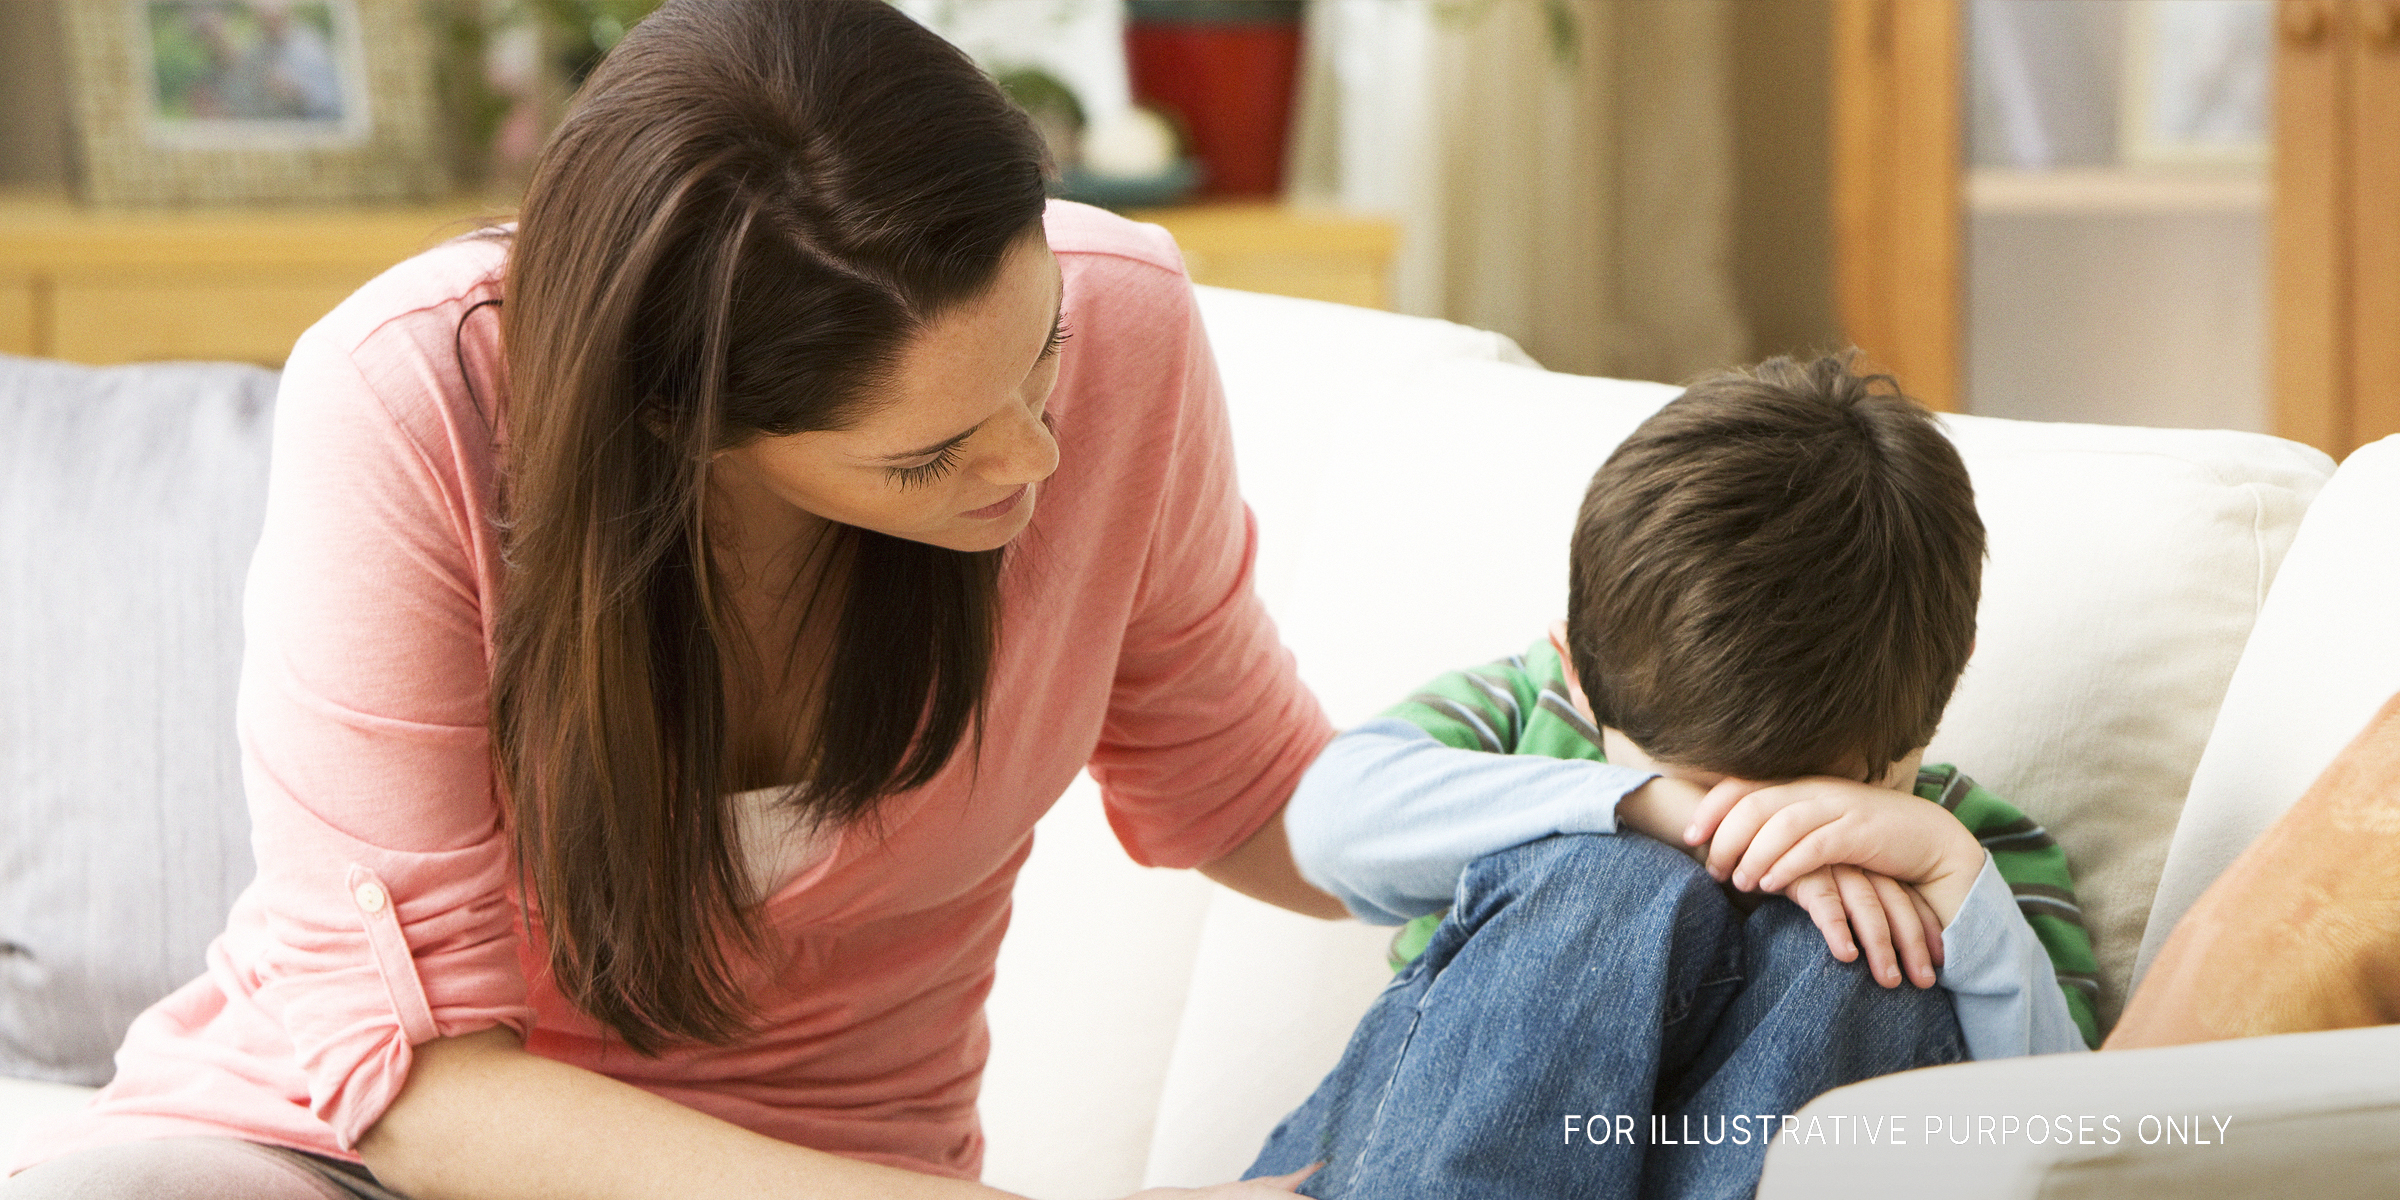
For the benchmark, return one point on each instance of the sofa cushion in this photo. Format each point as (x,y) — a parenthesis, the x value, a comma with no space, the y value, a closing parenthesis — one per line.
(2324,656)
(130,498)
(2127,567)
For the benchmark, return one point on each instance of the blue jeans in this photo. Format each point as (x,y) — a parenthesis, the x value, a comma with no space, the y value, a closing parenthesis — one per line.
(1606,979)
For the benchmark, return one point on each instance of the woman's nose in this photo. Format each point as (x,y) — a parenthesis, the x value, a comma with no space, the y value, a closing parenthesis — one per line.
(1027,454)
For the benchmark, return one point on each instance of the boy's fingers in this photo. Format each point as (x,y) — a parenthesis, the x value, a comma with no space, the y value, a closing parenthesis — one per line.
(1932,920)
(1828,839)
(1908,928)
(1816,894)
(1737,836)
(1730,838)
(1764,865)
(1866,917)
(1713,807)
(1757,804)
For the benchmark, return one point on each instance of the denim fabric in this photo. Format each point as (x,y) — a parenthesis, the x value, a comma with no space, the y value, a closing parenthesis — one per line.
(1609,979)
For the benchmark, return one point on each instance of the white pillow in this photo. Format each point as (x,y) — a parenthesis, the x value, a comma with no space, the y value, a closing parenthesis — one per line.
(1298,374)
(2127,567)
(2324,656)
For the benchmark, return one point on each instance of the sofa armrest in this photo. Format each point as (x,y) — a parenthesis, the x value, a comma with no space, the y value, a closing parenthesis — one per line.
(2309,1114)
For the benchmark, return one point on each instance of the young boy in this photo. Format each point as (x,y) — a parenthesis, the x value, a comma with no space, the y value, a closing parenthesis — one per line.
(1772,594)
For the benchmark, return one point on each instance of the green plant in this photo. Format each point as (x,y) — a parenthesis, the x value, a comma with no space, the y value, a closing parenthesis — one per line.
(1558,18)
(586,30)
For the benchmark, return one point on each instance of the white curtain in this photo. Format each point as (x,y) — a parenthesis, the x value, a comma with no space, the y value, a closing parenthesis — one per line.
(1561,168)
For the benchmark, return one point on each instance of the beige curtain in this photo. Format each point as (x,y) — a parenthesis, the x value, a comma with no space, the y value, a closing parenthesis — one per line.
(1561,168)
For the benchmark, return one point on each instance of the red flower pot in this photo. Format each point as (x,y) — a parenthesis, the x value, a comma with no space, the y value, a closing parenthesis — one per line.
(1227,69)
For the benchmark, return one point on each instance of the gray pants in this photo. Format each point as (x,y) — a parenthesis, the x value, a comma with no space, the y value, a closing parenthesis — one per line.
(194,1168)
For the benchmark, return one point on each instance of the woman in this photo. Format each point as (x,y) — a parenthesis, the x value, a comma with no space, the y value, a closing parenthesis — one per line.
(671,619)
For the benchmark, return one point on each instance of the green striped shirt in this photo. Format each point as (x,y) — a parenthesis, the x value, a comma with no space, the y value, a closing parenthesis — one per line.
(1520,705)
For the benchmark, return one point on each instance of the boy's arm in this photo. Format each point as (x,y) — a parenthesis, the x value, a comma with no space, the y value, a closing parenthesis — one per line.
(2001,979)
(1389,816)
(2032,872)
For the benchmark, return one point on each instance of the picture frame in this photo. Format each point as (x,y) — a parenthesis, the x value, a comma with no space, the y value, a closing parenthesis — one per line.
(190,102)
(2198,84)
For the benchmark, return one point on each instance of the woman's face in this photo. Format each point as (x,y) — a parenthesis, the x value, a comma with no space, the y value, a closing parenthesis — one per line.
(955,451)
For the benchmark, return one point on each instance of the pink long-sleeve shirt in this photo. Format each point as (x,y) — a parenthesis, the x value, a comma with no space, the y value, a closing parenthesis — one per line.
(385,912)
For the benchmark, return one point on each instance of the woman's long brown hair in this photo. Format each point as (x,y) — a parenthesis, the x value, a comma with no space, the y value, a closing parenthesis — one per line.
(751,209)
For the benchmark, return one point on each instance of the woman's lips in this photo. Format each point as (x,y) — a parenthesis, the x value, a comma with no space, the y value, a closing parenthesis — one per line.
(1001,509)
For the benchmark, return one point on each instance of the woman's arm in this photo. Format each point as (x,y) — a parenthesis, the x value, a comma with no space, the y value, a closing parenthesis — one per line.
(1263,869)
(483,1119)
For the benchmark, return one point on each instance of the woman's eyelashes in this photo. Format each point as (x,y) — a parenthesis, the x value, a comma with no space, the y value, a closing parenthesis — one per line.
(943,461)
(946,459)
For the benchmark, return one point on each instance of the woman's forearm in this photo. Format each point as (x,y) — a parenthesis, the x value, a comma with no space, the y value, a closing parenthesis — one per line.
(1262,869)
(482,1119)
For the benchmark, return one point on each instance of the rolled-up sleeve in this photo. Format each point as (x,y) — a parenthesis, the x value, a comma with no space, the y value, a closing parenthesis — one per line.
(1209,726)
(382,916)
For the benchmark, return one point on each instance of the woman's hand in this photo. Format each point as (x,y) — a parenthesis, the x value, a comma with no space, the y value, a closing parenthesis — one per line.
(1261,1188)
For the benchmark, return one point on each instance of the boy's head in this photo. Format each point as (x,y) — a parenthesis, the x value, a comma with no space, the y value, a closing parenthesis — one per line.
(1776,575)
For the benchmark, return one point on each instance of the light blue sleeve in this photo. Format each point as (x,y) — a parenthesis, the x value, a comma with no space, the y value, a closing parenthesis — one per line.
(2001,981)
(1387,818)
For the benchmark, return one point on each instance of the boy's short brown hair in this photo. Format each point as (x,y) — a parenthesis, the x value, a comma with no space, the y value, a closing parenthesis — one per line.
(1776,575)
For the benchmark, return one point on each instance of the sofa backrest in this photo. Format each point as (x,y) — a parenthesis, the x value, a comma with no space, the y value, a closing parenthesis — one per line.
(130,499)
(2127,567)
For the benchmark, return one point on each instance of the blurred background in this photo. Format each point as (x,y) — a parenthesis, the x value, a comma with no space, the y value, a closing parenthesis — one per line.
(2166,212)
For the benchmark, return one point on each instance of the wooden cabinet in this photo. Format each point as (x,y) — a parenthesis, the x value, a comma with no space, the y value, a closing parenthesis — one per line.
(1896,189)
(2335,275)
(110,287)
(114,287)
(2331,204)
(1263,247)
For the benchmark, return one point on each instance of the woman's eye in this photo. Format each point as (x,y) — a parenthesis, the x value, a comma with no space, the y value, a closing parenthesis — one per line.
(1059,334)
(909,477)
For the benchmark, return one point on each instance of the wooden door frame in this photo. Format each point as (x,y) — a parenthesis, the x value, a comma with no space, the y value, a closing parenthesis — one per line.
(2308,238)
(2333,236)
(1898,189)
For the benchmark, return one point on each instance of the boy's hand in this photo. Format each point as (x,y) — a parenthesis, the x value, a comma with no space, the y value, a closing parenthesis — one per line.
(1855,908)
(1764,837)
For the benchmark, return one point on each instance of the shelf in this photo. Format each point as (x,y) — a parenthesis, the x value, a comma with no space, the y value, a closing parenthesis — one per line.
(111,285)
(2113,191)
(1265,246)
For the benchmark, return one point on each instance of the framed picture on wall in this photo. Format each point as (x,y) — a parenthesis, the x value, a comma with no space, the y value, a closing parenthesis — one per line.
(2197,83)
(254,101)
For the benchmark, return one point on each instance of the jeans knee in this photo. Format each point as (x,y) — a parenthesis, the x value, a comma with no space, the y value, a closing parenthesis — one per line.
(1625,890)
(1918,1025)
(1588,871)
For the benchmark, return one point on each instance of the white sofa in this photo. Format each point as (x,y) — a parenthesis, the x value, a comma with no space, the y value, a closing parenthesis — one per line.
(1415,483)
